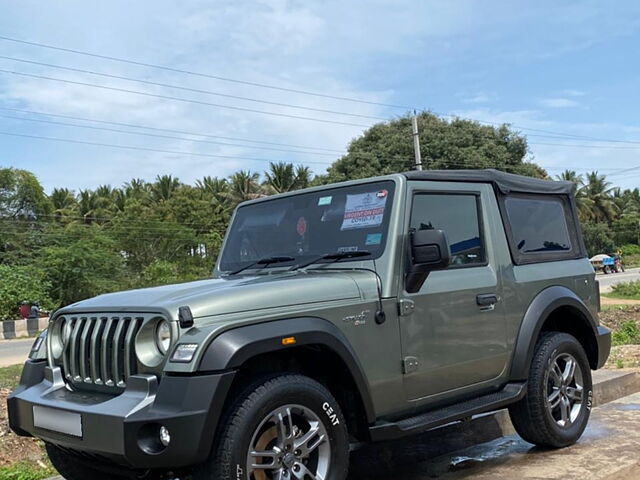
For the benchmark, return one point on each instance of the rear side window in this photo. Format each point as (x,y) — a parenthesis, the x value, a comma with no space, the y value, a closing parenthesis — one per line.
(458,215)
(541,228)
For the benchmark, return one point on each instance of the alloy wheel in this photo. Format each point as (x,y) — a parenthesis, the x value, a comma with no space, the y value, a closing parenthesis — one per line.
(290,443)
(565,390)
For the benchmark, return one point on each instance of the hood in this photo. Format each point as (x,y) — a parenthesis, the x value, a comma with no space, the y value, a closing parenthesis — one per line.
(220,296)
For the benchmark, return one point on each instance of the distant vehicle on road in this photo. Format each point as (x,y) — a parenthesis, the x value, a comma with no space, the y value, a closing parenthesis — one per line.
(607,263)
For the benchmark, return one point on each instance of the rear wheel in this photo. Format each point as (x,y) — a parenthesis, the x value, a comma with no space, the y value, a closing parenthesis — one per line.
(556,409)
(287,428)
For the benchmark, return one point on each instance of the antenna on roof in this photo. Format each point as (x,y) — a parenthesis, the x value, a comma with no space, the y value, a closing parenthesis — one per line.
(416,141)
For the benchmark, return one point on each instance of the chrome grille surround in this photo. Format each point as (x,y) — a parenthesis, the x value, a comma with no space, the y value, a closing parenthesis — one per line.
(100,353)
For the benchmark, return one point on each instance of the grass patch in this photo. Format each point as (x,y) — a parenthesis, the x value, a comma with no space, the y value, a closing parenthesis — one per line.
(630,290)
(627,334)
(10,377)
(27,471)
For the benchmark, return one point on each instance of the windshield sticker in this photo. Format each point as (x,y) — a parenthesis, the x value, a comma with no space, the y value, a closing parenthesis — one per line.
(364,210)
(348,249)
(301,226)
(324,201)
(374,239)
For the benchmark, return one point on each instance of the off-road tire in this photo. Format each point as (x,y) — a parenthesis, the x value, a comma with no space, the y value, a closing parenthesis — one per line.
(73,468)
(530,416)
(228,459)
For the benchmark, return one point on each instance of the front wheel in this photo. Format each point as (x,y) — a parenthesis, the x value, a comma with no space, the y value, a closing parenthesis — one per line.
(287,428)
(556,409)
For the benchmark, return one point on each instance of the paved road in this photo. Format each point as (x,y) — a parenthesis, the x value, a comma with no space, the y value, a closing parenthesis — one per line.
(15,351)
(606,281)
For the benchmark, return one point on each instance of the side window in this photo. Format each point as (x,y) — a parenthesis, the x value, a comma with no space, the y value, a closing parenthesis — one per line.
(458,216)
(538,225)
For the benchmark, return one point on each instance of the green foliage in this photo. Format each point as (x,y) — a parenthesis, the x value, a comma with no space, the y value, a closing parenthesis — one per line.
(85,263)
(627,334)
(627,290)
(630,249)
(20,283)
(597,238)
(21,195)
(26,471)
(80,244)
(388,148)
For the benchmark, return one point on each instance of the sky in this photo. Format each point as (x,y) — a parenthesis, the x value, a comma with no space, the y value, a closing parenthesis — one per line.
(566,74)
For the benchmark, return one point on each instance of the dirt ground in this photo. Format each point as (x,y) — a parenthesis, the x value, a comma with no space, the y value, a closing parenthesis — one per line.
(15,449)
(618,301)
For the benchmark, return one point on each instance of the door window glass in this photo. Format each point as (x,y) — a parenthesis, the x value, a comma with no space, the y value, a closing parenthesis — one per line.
(458,216)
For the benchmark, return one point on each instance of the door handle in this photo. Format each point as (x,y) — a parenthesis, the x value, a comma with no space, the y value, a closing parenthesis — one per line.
(487,299)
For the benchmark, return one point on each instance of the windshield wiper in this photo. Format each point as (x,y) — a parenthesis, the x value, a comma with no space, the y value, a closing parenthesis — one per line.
(264,261)
(333,256)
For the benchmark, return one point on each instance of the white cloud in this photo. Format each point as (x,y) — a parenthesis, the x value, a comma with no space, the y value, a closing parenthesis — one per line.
(559,102)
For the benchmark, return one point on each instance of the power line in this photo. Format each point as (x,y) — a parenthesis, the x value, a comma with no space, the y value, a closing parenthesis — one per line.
(304,92)
(180,99)
(182,132)
(145,149)
(205,75)
(193,90)
(154,135)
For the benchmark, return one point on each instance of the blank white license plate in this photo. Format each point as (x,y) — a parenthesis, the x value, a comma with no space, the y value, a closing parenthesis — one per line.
(57,421)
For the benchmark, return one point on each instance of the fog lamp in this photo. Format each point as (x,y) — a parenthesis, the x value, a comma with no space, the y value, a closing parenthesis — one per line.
(165,437)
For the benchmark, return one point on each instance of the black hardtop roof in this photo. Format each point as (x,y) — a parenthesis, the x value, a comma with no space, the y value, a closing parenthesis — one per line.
(504,182)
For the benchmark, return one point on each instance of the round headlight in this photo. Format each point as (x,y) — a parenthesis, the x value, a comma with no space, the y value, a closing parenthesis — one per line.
(67,328)
(163,336)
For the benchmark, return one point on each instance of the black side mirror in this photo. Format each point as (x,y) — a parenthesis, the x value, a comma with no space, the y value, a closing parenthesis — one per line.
(429,251)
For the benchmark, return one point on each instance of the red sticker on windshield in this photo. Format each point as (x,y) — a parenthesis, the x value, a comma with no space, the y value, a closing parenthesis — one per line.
(382,194)
(301,227)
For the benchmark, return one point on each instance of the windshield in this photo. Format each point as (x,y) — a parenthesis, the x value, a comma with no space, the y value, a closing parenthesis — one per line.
(309,225)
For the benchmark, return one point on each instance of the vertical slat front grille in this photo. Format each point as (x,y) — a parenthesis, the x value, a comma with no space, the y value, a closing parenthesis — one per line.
(101,350)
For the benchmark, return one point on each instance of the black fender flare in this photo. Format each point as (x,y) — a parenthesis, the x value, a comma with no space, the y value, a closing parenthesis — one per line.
(231,349)
(534,318)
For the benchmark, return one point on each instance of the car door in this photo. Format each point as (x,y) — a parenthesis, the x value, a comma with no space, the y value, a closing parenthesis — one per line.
(453,329)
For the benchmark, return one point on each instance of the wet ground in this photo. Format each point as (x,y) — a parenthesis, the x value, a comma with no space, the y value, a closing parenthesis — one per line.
(609,449)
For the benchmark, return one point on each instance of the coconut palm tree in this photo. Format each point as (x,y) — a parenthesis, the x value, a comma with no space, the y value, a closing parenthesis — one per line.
(216,188)
(64,202)
(136,188)
(599,192)
(583,203)
(244,185)
(280,178)
(164,188)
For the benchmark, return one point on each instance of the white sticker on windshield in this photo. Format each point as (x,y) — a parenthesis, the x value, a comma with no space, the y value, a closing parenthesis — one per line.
(324,201)
(364,210)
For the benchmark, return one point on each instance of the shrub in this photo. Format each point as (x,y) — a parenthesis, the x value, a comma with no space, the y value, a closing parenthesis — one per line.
(627,334)
(627,289)
(20,284)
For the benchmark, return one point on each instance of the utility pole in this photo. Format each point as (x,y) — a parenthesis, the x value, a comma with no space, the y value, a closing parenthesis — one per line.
(416,141)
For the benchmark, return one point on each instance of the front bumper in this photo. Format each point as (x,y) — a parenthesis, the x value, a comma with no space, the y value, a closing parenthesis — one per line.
(603,338)
(122,429)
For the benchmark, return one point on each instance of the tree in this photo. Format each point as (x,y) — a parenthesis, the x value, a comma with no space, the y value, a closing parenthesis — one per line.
(388,148)
(21,195)
(597,239)
(164,188)
(598,191)
(64,203)
(85,263)
(284,177)
(244,185)
(583,203)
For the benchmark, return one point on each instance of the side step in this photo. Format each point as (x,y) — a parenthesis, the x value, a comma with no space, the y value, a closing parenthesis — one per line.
(511,393)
